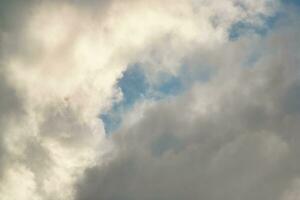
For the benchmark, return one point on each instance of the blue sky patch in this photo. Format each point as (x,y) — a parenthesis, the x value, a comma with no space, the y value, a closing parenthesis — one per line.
(292,2)
(169,85)
(241,28)
(135,87)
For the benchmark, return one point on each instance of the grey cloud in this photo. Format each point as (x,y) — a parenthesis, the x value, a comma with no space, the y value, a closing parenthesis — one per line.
(11,108)
(14,18)
(235,137)
(62,125)
(26,153)
(97,6)
(232,138)
(291,102)
(10,102)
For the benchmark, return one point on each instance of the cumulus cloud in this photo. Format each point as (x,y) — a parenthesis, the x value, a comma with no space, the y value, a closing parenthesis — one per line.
(233,137)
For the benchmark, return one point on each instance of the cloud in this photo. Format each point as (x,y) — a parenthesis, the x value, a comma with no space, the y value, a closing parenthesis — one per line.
(60,65)
(233,137)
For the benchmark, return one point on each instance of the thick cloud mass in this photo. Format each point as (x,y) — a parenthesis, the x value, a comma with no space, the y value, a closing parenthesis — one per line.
(234,137)
(232,133)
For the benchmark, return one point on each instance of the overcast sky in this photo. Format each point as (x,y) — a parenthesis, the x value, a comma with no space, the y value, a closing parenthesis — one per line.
(149,100)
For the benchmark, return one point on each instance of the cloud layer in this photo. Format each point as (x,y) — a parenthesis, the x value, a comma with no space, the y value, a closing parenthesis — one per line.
(235,137)
(232,135)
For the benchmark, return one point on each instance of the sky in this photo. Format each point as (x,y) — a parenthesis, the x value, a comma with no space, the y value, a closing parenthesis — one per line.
(149,100)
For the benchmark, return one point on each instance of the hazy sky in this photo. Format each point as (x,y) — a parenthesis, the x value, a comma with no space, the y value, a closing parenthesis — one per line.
(149,100)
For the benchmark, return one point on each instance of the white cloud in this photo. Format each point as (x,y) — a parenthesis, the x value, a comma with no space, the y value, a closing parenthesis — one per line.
(234,137)
(60,66)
